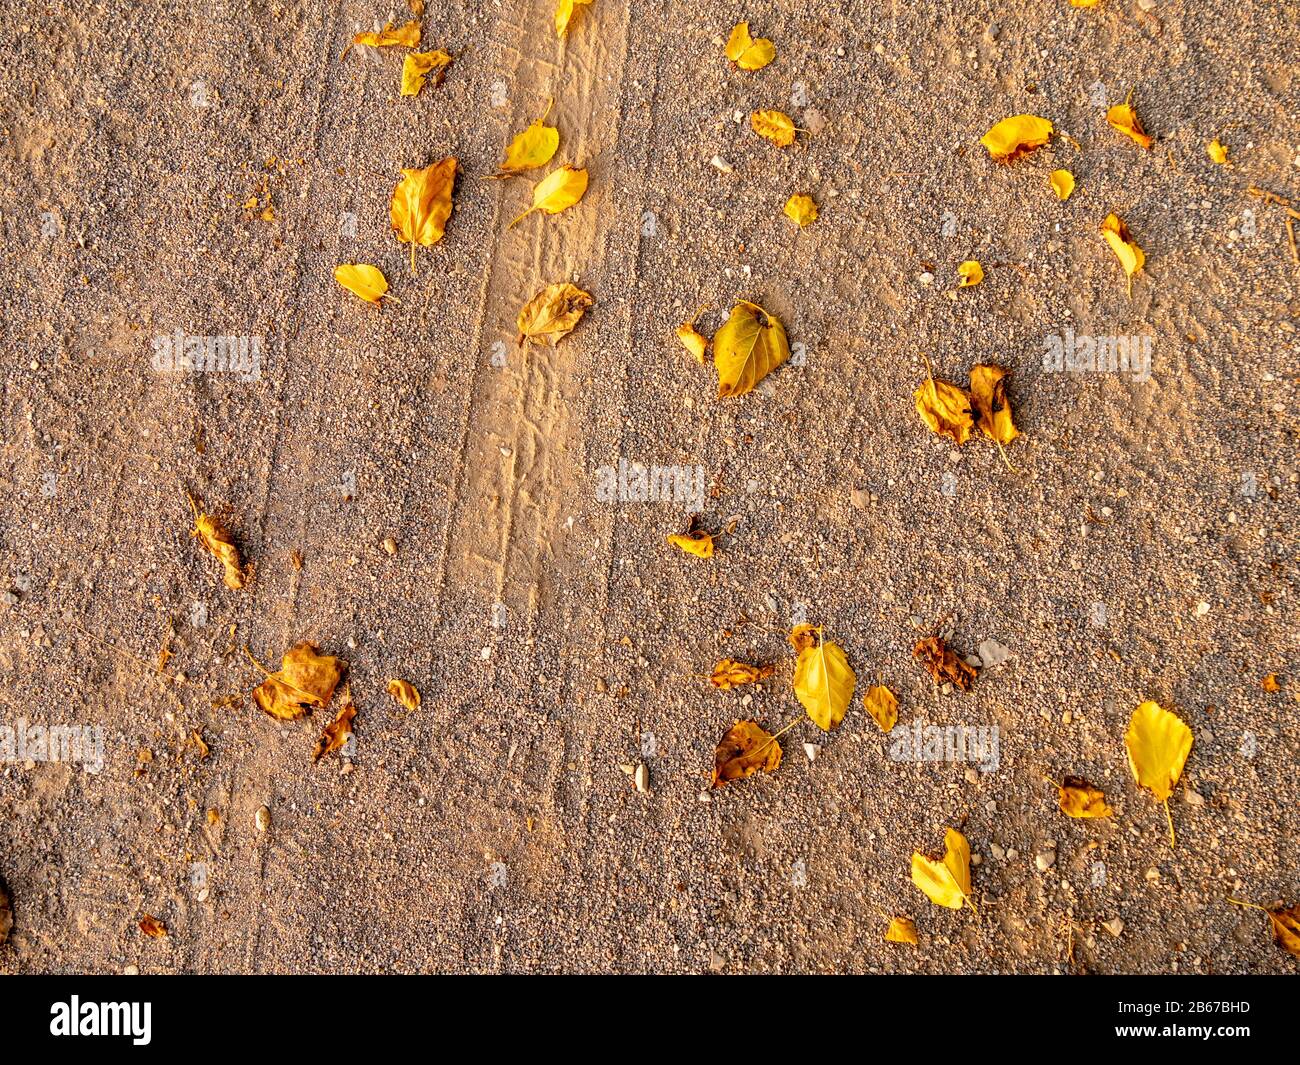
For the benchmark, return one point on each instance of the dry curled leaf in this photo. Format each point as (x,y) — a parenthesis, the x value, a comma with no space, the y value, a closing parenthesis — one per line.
(530,149)
(969,274)
(745,749)
(559,190)
(368,282)
(882,705)
(554,312)
(1284,922)
(801,210)
(6,914)
(564,10)
(336,734)
(417,66)
(212,535)
(942,664)
(988,394)
(946,881)
(152,927)
(1015,136)
(693,341)
(945,408)
(729,673)
(1216,151)
(697,542)
(1078,798)
(422,204)
(901,930)
(305,679)
(1123,118)
(747,348)
(774,126)
(1062,182)
(747,52)
(1121,242)
(405,693)
(407,36)
(823,679)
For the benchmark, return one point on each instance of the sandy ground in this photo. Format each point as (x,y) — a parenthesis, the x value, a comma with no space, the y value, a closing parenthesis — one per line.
(494,830)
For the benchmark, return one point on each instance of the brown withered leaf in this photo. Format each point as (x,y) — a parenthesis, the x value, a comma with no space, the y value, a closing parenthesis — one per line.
(337,732)
(212,535)
(6,914)
(152,927)
(745,749)
(729,673)
(554,312)
(942,665)
(305,679)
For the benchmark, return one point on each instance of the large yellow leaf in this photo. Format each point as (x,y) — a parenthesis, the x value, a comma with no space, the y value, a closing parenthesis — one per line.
(744,750)
(1121,242)
(554,312)
(988,393)
(557,191)
(564,15)
(368,282)
(747,52)
(945,408)
(417,66)
(530,149)
(824,682)
(1158,743)
(1014,136)
(422,204)
(305,679)
(747,348)
(774,126)
(945,882)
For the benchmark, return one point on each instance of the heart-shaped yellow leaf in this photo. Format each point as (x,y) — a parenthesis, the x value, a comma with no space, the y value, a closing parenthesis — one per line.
(945,882)
(1158,743)
(747,348)
(422,204)
(305,679)
(747,52)
(368,282)
(824,682)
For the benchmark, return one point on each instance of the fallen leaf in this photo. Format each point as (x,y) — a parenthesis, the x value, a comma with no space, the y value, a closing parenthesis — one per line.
(6,914)
(530,149)
(560,189)
(336,733)
(563,14)
(422,204)
(945,408)
(1123,118)
(729,673)
(1217,151)
(1270,684)
(368,282)
(212,535)
(745,749)
(1130,256)
(1084,3)
(692,341)
(1286,928)
(1158,743)
(942,664)
(802,636)
(153,927)
(774,126)
(988,395)
(405,693)
(1062,182)
(417,66)
(1016,136)
(1080,799)
(823,678)
(554,312)
(969,274)
(698,543)
(407,36)
(801,210)
(747,348)
(882,705)
(305,679)
(746,52)
(946,881)
(901,930)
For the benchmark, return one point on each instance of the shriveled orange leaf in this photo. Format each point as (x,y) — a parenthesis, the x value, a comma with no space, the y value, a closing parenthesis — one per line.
(212,535)
(1078,798)
(422,204)
(405,693)
(407,36)
(1284,921)
(368,282)
(747,348)
(559,190)
(305,679)
(337,733)
(745,749)
(152,927)
(942,664)
(417,66)
(1270,683)
(554,312)
(729,673)
(1123,118)
(988,394)
(901,930)
(882,705)
(747,52)
(1016,136)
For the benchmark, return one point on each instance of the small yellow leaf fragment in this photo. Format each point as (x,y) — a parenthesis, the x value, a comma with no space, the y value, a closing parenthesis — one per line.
(212,535)
(969,274)
(1123,118)
(554,312)
(823,679)
(1121,242)
(747,348)
(745,749)
(901,930)
(801,210)
(422,204)
(564,14)
(530,149)
(698,543)
(882,705)
(1217,151)
(946,409)
(946,881)
(1286,928)
(405,693)
(407,36)
(560,189)
(152,927)
(1084,3)
(747,52)
(693,341)
(368,282)
(1062,182)
(774,126)
(988,393)
(1015,136)
(1078,798)
(336,734)
(1270,683)
(729,673)
(417,66)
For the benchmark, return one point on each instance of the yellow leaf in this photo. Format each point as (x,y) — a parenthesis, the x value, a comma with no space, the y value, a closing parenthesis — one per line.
(945,408)
(802,636)
(1270,683)
(532,148)
(1062,182)
(698,543)
(1123,118)
(1158,743)
(368,282)
(901,930)
(774,126)
(1084,3)
(1014,136)
(554,312)
(1286,928)
(729,673)
(969,274)
(558,190)
(801,210)
(882,705)
(305,679)
(745,749)
(1130,256)
(988,394)
(692,341)
(211,534)
(422,204)
(152,927)
(1080,799)
(419,65)
(563,14)
(407,36)
(746,52)
(337,733)
(945,882)
(1217,151)
(823,680)
(405,693)
(747,348)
